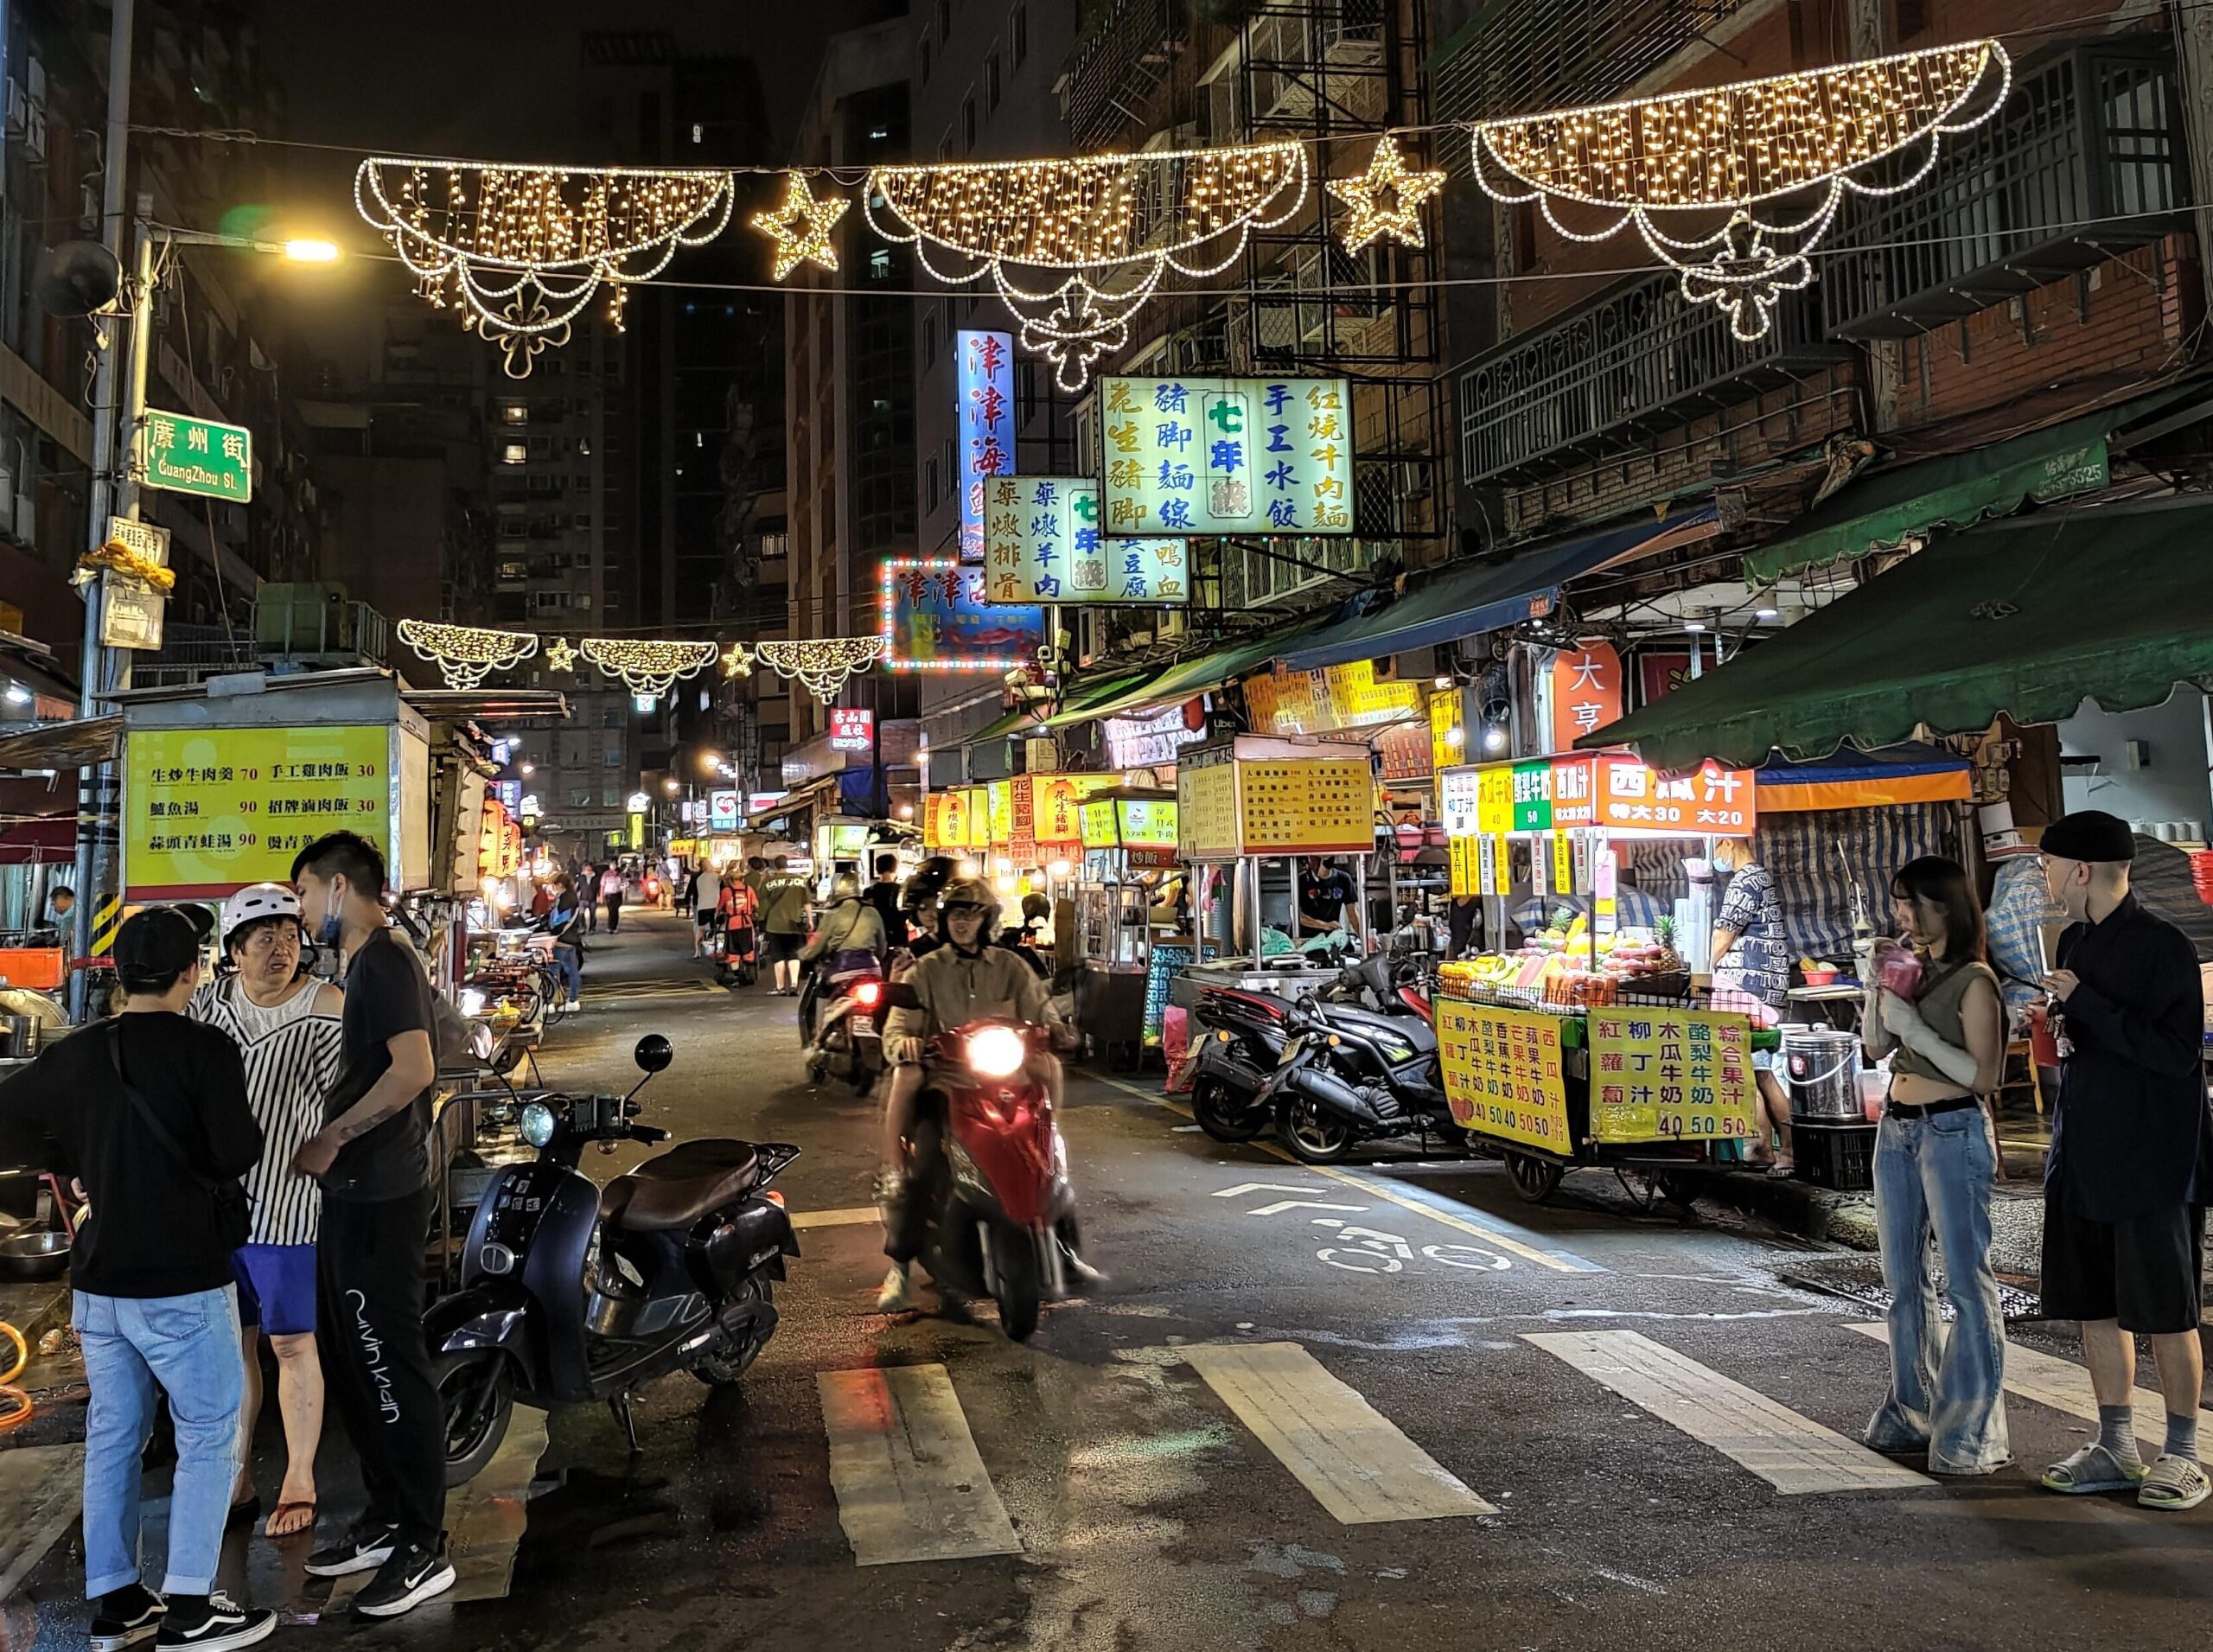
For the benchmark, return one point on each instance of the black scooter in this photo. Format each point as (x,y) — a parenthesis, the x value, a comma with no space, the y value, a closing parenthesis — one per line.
(572,1292)
(1349,1075)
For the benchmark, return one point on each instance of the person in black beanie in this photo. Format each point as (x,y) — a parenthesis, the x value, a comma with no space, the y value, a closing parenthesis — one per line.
(2126,1179)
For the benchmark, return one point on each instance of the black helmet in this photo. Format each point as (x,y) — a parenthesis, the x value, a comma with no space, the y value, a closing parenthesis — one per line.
(969,891)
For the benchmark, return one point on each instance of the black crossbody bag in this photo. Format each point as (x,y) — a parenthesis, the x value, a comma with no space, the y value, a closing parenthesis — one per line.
(225,1195)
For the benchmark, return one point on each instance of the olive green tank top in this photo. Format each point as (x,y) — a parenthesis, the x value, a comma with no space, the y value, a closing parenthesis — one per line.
(1943,992)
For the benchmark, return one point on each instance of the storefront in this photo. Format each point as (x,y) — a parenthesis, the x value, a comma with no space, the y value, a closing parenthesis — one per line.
(1125,906)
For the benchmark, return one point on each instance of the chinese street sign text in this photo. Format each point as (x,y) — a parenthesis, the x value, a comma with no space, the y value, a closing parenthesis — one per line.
(1227,456)
(934,618)
(1669,1074)
(197,456)
(984,373)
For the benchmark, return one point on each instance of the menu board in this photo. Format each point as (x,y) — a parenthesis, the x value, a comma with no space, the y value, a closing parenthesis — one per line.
(1206,808)
(209,811)
(1495,800)
(1306,806)
(1227,456)
(999,795)
(1466,872)
(1670,1076)
(1502,1076)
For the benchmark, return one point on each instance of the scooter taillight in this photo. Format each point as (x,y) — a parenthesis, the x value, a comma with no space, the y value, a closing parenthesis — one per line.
(869,994)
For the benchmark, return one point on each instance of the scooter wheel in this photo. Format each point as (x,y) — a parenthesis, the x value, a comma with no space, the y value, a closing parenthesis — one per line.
(720,1370)
(1312,1136)
(1017,1285)
(476,1391)
(1210,1105)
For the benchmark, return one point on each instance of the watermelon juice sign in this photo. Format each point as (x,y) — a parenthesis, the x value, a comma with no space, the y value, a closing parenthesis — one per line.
(934,618)
(984,373)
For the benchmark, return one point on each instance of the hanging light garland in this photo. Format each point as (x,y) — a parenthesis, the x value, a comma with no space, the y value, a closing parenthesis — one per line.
(822,664)
(648,666)
(1103,228)
(522,249)
(800,227)
(466,654)
(1385,200)
(561,654)
(738,661)
(1753,144)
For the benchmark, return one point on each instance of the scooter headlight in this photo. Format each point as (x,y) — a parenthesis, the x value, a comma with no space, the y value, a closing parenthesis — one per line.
(537,1124)
(997,1052)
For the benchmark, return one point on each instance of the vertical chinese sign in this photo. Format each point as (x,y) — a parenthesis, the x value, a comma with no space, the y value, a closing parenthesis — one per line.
(1670,1074)
(1041,543)
(1227,456)
(1586,691)
(934,618)
(983,370)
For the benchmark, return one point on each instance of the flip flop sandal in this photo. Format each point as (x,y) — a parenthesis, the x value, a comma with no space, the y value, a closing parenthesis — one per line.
(282,1509)
(2093,1469)
(2175,1482)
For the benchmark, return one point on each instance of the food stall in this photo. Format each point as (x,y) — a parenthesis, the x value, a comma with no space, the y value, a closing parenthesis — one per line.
(1129,836)
(1590,1045)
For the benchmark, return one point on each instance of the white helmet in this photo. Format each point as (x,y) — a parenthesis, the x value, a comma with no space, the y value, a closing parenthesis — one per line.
(258,901)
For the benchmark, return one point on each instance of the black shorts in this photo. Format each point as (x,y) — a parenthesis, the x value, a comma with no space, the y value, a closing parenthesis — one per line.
(705,920)
(778,948)
(2144,1273)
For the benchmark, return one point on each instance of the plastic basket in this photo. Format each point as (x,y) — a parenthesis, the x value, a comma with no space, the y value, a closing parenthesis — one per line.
(1840,1158)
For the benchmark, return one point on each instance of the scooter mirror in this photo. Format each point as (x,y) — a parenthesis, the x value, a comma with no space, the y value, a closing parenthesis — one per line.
(652,1053)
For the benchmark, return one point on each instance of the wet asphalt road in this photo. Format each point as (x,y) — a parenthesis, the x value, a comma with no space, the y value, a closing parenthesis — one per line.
(1150,1516)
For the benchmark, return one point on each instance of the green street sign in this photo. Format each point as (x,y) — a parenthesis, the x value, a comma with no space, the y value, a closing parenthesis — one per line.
(197,456)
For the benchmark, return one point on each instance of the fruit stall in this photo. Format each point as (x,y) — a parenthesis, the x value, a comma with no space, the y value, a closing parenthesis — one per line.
(1129,836)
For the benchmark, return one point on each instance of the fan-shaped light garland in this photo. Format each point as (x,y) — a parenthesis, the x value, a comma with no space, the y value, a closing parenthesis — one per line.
(820,664)
(648,665)
(466,654)
(1088,220)
(1737,148)
(522,249)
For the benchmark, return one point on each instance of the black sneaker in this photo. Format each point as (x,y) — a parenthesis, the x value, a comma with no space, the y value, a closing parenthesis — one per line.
(125,1616)
(363,1548)
(213,1622)
(411,1576)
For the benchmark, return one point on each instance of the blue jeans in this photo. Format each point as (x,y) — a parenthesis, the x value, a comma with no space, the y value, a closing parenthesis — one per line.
(190,1345)
(1946,1393)
(571,973)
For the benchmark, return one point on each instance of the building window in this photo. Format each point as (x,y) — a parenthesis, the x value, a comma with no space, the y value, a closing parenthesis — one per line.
(930,342)
(952,461)
(611,717)
(515,412)
(929,485)
(610,797)
(968,123)
(991,83)
(614,758)
(1017,34)
(514,453)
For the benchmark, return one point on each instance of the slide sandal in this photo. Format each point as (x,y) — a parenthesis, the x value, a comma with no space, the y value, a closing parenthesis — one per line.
(2093,1469)
(2174,1482)
(281,1511)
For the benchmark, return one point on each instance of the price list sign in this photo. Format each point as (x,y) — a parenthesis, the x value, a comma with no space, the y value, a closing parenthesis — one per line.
(1670,1076)
(1320,806)
(1502,1073)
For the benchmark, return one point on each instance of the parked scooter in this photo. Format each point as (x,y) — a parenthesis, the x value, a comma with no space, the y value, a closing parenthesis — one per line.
(1349,1075)
(571,1292)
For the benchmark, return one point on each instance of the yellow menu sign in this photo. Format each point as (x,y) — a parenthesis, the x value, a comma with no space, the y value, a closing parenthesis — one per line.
(1306,806)
(1206,808)
(209,811)
(1503,1075)
(1668,1075)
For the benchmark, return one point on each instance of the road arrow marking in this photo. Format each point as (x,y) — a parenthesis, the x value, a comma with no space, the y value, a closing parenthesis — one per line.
(1282,1205)
(1265,1187)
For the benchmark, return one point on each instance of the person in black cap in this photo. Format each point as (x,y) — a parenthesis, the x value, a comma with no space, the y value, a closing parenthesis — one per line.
(2126,1181)
(149,1112)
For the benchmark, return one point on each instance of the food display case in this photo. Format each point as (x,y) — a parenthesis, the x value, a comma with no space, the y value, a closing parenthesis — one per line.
(1124,909)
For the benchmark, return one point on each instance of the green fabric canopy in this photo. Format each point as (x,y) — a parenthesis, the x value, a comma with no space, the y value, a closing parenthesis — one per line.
(2026,617)
(1957,490)
(1001,726)
(1200,674)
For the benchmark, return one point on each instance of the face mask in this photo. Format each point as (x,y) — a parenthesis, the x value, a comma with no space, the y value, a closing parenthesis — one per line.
(332,903)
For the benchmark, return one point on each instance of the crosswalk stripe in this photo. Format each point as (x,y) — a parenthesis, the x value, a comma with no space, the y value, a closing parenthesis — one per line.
(1794,1454)
(849,1217)
(1356,1461)
(909,1483)
(2065,1386)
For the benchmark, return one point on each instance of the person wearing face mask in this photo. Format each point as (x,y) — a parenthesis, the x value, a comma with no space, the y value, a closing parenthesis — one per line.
(287,1028)
(1752,960)
(372,1157)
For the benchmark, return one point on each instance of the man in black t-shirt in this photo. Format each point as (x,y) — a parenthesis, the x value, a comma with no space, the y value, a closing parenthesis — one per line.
(883,896)
(373,1156)
(1324,892)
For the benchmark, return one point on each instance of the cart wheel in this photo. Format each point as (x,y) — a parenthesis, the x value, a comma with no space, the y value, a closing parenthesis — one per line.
(1535,1178)
(1676,1187)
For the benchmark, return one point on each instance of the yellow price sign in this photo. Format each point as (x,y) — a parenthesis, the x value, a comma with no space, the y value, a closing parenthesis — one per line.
(1669,1074)
(1495,800)
(1563,862)
(1502,1073)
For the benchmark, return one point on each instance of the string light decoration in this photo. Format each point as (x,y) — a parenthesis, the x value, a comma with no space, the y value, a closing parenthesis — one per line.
(738,661)
(466,654)
(560,655)
(645,666)
(1102,228)
(521,249)
(800,227)
(1790,144)
(1385,200)
(821,665)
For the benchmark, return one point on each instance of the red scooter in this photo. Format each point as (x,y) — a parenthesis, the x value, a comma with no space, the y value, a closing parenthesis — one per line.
(1002,1213)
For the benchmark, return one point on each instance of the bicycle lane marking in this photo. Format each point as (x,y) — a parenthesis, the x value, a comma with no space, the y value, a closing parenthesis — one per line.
(1500,1234)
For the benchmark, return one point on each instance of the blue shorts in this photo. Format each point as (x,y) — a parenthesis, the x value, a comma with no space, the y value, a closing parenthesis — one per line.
(275,1287)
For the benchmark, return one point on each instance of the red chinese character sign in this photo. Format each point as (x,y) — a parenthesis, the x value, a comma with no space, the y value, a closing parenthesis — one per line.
(1715,800)
(1586,691)
(852,729)
(984,373)
(934,618)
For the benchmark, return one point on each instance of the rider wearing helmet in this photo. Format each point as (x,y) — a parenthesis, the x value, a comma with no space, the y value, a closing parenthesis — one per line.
(963,980)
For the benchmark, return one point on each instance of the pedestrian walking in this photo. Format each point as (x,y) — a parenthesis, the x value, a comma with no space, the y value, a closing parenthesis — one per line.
(610,892)
(372,1157)
(883,896)
(286,1027)
(149,1112)
(783,924)
(2126,1181)
(703,896)
(1936,1166)
(588,886)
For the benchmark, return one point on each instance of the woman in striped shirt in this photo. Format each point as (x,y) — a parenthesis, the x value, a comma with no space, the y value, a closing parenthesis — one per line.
(287,1028)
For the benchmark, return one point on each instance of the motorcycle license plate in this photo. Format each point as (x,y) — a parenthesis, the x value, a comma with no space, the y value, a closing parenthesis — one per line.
(1291,1051)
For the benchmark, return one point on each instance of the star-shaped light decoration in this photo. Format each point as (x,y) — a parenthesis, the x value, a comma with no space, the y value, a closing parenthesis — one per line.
(736,660)
(560,655)
(800,227)
(1387,198)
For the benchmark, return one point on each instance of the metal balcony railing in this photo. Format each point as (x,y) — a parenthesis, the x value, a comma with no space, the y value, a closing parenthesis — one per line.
(314,625)
(1640,359)
(192,654)
(2085,160)
(1118,65)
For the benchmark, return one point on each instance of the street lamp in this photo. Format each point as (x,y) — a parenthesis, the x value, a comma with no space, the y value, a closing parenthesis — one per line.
(672,784)
(310,252)
(528,769)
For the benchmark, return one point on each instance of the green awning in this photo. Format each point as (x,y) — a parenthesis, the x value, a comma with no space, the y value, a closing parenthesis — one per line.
(1957,490)
(1000,727)
(1201,674)
(2025,617)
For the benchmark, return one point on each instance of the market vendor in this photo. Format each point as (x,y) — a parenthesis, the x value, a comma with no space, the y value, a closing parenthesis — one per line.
(1751,961)
(1327,899)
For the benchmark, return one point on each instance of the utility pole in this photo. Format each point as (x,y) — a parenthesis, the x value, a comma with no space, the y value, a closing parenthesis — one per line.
(99,793)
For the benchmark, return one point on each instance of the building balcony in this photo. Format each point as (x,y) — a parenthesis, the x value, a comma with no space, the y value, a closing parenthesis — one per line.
(1119,64)
(2085,160)
(1601,377)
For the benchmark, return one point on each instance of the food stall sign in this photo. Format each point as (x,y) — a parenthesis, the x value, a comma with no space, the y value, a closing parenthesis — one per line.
(1205,809)
(1502,1073)
(945,821)
(1495,800)
(722,811)
(984,376)
(999,814)
(1142,742)
(1563,862)
(1147,821)
(1227,456)
(1532,796)
(1101,828)
(1318,806)
(1575,792)
(1487,851)
(1467,878)
(1669,1074)
(1055,802)
(637,832)
(1285,702)
(1714,800)
(209,811)
(1448,729)
(933,618)
(1586,691)
(1356,697)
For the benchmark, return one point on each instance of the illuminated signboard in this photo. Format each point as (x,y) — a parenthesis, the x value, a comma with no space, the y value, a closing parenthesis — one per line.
(722,811)
(1141,742)
(934,618)
(983,375)
(850,729)
(1227,456)
(1041,541)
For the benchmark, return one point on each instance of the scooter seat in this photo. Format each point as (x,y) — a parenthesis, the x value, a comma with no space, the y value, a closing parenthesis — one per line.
(675,1188)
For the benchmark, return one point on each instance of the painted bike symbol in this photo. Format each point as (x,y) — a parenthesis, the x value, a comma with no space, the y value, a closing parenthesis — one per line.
(1374,1252)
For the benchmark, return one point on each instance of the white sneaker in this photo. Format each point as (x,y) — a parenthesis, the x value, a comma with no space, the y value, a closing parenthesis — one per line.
(893,1296)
